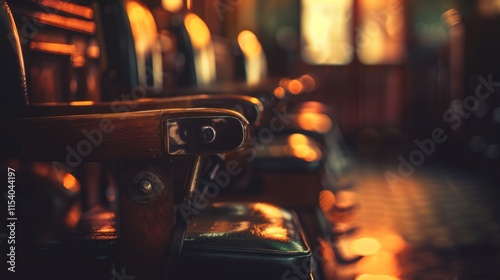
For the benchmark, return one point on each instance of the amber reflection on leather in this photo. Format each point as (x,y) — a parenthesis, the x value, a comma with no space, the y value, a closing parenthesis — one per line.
(261,226)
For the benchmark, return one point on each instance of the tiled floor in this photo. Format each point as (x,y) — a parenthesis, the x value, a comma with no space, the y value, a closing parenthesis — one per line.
(437,224)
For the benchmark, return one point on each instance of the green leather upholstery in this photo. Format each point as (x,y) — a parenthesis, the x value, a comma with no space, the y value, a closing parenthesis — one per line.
(243,241)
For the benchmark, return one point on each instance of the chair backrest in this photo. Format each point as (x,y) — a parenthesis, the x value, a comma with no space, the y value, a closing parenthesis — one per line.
(194,42)
(133,54)
(252,62)
(90,51)
(60,50)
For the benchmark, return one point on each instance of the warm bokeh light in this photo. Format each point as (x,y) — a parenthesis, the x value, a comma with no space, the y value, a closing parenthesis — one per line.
(313,155)
(105,216)
(204,56)
(41,169)
(326,31)
(391,242)
(106,229)
(488,8)
(312,107)
(65,22)
(314,122)
(295,87)
(172,6)
(303,148)
(279,92)
(346,199)
(452,17)
(146,44)
(382,264)
(56,48)
(365,246)
(198,31)
(249,43)
(70,183)
(326,201)
(143,26)
(104,226)
(73,216)
(297,139)
(93,50)
(81,103)
(255,61)
(309,81)
(70,8)
(376,277)
(78,60)
(381,36)
(284,82)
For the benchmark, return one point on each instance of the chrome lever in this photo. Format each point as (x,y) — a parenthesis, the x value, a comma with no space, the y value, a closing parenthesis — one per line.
(202,135)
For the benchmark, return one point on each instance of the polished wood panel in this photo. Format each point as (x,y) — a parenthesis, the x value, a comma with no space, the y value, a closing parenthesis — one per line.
(95,137)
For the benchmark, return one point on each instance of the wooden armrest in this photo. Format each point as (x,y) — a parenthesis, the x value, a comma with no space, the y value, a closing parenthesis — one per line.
(250,107)
(124,136)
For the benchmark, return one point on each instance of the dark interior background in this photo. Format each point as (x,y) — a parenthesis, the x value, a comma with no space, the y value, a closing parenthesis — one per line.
(385,107)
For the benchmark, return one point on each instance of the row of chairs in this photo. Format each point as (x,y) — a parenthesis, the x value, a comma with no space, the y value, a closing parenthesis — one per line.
(102,109)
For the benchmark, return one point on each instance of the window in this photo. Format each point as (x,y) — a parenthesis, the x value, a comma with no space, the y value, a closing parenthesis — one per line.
(328,37)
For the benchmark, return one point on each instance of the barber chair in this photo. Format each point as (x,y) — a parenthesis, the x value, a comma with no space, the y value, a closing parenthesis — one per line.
(225,232)
(307,145)
(65,124)
(250,69)
(311,127)
(316,120)
(316,148)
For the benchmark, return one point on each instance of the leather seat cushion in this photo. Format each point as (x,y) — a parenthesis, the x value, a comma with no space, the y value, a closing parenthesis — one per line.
(243,241)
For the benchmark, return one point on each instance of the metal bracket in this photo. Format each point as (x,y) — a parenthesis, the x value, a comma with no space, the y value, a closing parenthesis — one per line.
(145,187)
